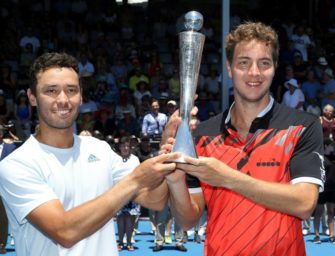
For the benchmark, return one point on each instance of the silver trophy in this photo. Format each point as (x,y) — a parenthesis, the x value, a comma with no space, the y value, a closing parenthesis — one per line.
(191,45)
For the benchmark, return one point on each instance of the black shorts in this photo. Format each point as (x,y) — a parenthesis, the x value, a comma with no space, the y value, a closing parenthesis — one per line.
(330,177)
(326,197)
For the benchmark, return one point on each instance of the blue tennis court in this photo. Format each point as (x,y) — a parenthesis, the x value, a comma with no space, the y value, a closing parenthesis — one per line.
(144,242)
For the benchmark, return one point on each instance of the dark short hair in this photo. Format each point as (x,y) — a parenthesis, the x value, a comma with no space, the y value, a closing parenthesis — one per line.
(50,60)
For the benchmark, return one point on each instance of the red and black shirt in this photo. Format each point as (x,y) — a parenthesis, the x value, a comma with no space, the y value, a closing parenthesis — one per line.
(284,146)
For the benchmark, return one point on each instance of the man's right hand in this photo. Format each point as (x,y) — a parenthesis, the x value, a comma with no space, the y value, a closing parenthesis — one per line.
(151,173)
(171,127)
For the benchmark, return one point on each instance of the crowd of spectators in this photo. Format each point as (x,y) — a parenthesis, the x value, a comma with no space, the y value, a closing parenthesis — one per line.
(129,64)
(128,55)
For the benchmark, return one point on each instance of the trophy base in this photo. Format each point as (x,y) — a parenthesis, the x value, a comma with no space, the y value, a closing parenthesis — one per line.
(180,160)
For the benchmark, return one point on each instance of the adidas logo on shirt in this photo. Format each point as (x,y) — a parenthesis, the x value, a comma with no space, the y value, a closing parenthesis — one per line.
(92,158)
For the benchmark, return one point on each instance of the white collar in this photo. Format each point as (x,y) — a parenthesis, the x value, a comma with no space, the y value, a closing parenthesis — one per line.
(260,114)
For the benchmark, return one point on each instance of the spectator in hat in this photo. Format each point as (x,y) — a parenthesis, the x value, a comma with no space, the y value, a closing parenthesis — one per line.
(136,77)
(163,99)
(278,86)
(320,67)
(322,61)
(293,97)
(171,107)
(327,95)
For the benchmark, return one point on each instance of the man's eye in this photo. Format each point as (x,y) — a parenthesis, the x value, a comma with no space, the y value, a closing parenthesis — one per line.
(72,91)
(51,91)
(243,64)
(265,64)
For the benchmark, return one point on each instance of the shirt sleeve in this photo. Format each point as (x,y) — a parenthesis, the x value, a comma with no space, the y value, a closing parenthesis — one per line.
(23,188)
(193,184)
(123,168)
(307,162)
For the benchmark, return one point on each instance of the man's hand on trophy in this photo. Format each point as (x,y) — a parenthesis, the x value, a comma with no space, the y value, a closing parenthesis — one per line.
(209,170)
(171,127)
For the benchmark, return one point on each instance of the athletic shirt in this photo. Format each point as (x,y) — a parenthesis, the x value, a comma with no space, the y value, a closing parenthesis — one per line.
(284,146)
(36,173)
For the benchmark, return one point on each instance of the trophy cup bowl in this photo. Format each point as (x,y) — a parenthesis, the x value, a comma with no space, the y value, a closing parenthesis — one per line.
(191,45)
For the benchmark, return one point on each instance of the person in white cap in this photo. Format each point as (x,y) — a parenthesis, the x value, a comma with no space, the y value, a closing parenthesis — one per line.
(171,107)
(322,61)
(320,67)
(293,97)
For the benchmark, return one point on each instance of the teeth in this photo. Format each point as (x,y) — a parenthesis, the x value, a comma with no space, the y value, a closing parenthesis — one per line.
(253,84)
(63,112)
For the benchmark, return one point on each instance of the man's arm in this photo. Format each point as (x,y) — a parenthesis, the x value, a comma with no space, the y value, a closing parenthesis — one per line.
(154,199)
(295,199)
(186,207)
(69,227)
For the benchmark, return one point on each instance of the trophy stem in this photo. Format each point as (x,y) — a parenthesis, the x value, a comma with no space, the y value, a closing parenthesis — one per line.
(184,142)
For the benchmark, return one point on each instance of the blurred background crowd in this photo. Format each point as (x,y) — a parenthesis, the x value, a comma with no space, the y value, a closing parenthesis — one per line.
(128,55)
(129,61)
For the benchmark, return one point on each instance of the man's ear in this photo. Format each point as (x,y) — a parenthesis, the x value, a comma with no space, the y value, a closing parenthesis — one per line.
(32,98)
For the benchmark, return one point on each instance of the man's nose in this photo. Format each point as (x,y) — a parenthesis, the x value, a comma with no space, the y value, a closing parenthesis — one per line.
(62,97)
(254,69)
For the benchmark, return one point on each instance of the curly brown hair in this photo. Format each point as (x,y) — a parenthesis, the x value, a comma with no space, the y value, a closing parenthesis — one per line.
(252,31)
